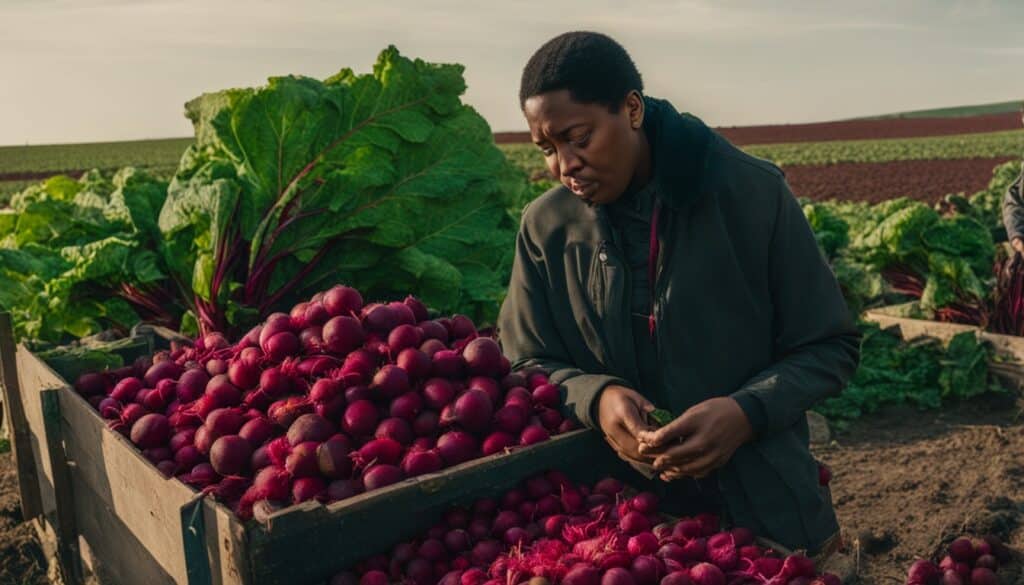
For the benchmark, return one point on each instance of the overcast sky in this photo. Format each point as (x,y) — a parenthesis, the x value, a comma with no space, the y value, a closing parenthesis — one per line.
(96,70)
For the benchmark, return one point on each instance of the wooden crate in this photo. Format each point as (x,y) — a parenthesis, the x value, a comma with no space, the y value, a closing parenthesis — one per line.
(130,524)
(1008,364)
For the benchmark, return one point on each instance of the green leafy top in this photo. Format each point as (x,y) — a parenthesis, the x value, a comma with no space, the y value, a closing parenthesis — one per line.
(385,180)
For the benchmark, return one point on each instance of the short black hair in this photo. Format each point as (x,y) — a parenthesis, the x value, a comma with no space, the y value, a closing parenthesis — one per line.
(592,66)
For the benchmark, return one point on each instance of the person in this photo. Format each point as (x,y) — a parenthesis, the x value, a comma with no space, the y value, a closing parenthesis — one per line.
(1013,212)
(671,269)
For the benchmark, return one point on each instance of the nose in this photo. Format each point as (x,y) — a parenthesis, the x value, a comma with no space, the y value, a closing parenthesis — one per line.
(568,162)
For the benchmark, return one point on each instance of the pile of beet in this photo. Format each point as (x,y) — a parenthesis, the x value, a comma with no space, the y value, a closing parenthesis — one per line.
(966,563)
(329,401)
(552,531)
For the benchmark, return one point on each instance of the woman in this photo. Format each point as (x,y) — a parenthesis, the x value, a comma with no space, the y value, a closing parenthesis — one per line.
(671,269)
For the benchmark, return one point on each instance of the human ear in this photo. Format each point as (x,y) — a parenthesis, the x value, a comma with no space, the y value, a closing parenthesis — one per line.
(635,109)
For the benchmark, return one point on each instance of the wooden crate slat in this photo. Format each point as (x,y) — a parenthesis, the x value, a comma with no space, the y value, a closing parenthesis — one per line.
(146,503)
(28,441)
(65,526)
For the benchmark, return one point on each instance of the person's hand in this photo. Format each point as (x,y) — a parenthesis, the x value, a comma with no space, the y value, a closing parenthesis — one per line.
(621,417)
(1017,244)
(701,440)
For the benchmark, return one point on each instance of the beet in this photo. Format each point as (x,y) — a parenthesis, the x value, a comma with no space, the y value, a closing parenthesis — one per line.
(431,347)
(434,330)
(462,327)
(302,460)
(457,447)
(342,300)
(438,393)
(473,410)
(224,421)
(282,345)
(643,543)
(260,458)
(951,577)
(483,357)
(221,392)
(257,431)
(126,389)
(532,435)
(343,489)
(403,337)
(360,418)
(357,392)
(962,550)
(801,566)
(447,364)
(414,362)
(381,475)
(167,370)
(307,488)
(274,383)
(286,411)
(381,451)
(152,430)
(94,384)
(497,442)
(421,462)
(109,408)
(647,570)
(617,576)
(309,427)
(342,334)
(426,423)
(396,429)
(230,455)
(582,574)
(707,574)
(983,576)
(390,381)
(406,406)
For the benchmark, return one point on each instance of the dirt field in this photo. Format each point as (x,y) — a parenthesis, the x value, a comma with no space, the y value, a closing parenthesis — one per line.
(21,559)
(905,484)
(846,130)
(924,180)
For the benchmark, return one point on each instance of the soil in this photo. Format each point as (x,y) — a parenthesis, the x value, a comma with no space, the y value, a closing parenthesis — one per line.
(924,180)
(846,130)
(906,483)
(21,559)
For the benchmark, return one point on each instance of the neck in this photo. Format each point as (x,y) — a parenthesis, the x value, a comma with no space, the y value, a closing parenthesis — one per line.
(644,164)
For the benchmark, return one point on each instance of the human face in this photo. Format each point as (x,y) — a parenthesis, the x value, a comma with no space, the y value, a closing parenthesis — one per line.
(595,153)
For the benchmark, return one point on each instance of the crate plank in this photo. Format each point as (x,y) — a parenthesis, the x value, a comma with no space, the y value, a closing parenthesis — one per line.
(65,526)
(286,546)
(142,504)
(28,442)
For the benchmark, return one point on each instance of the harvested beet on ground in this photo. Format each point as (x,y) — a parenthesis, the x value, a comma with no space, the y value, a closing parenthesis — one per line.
(924,180)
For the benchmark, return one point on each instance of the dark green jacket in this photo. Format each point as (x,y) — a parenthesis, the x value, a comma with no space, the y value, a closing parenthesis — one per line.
(746,306)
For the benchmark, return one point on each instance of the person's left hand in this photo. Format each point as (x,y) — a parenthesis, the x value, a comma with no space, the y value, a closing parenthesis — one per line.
(701,440)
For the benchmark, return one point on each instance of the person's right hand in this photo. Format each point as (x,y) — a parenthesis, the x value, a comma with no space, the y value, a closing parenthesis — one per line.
(1017,244)
(621,416)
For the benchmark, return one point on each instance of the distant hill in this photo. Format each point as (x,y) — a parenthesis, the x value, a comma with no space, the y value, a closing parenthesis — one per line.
(956,111)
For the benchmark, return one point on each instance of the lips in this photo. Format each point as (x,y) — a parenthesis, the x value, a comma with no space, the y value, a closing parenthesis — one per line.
(582,188)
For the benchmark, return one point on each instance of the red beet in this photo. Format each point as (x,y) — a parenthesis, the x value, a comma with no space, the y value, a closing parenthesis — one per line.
(457,447)
(421,462)
(333,457)
(360,418)
(151,430)
(707,574)
(390,381)
(379,476)
(497,442)
(533,434)
(230,455)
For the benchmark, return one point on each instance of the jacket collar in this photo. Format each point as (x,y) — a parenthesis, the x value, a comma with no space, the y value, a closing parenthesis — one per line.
(680,144)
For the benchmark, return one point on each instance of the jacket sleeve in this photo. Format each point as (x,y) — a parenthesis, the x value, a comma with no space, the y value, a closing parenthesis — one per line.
(529,335)
(1013,209)
(816,343)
